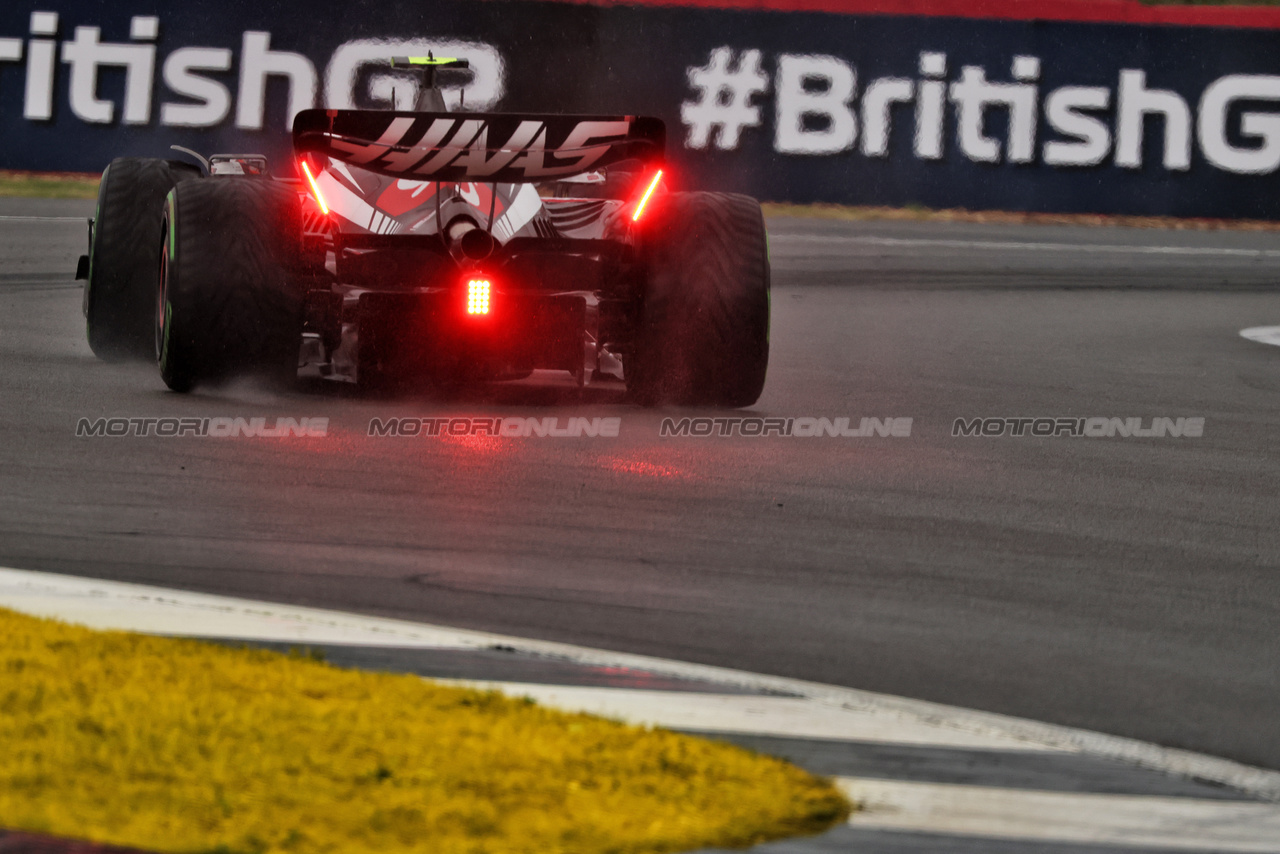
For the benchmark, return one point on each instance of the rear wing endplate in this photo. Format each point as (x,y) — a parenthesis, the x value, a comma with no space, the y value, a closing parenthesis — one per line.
(489,147)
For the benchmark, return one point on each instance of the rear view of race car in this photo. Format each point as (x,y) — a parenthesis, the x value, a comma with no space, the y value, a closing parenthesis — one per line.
(434,248)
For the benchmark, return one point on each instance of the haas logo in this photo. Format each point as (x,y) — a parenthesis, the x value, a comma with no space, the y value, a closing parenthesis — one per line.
(465,149)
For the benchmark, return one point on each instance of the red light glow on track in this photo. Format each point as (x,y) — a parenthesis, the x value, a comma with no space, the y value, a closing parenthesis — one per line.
(478,296)
(646,469)
(478,444)
(648,193)
(315,188)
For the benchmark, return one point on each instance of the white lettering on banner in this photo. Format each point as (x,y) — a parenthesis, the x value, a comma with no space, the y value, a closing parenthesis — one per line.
(1135,122)
(1136,102)
(191,74)
(930,111)
(819,111)
(213,100)
(1091,138)
(877,105)
(829,103)
(201,100)
(1212,126)
(10,50)
(197,93)
(42,56)
(257,63)
(725,89)
(973,94)
(87,53)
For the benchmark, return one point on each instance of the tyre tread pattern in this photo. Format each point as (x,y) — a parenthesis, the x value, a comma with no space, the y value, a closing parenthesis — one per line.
(233,304)
(704,329)
(119,300)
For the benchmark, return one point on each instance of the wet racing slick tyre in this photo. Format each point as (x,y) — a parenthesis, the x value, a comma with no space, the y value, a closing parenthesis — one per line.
(703,331)
(229,299)
(124,255)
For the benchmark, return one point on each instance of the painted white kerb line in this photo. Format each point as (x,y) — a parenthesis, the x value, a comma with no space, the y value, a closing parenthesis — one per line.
(753,714)
(120,605)
(1262,334)
(1020,246)
(1167,823)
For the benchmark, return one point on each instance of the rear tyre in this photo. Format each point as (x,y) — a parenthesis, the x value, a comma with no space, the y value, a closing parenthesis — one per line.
(229,298)
(124,257)
(703,334)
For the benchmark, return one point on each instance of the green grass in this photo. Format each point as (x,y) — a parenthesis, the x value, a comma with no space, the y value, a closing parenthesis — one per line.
(48,185)
(75,185)
(184,746)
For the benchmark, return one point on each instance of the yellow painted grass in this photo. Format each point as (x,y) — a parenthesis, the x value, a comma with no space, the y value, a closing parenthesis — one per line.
(179,745)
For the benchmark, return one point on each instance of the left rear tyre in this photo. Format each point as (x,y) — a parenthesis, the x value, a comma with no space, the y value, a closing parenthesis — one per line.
(119,294)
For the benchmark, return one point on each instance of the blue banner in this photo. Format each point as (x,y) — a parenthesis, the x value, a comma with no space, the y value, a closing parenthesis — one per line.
(787,106)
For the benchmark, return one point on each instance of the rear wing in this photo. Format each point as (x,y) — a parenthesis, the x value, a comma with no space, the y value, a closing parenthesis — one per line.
(506,148)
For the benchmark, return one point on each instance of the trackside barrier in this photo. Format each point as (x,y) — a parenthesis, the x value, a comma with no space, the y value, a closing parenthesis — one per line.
(831,101)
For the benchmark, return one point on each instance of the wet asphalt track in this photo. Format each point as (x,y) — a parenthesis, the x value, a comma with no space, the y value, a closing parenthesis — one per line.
(1130,585)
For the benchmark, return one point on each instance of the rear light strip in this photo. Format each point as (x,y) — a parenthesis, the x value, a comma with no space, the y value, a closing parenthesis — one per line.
(315,188)
(644,200)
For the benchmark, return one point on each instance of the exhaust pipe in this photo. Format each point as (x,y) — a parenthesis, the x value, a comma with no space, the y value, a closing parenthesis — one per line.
(468,241)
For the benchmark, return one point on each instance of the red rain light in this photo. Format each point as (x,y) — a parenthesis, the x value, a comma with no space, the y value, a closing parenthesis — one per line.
(315,188)
(644,200)
(478,296)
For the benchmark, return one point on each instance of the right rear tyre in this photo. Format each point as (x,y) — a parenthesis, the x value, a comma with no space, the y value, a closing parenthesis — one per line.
(703,333)
(229,299)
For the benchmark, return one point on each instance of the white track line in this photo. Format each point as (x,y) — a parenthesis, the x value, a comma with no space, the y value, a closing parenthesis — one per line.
(112,604)
(79,219)
(1020,246)
(1064,817)
(1262,334)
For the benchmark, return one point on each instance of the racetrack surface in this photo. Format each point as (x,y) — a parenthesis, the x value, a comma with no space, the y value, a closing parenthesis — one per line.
(1127,585)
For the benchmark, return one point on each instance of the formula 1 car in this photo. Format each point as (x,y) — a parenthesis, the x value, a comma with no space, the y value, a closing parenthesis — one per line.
(435,246)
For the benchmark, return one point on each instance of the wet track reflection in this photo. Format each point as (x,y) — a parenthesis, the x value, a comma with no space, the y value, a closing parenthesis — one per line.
(1126,585)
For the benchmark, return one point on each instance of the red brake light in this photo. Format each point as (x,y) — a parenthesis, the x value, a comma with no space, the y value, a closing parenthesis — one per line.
(478,296)
(648,193)
(315,188)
